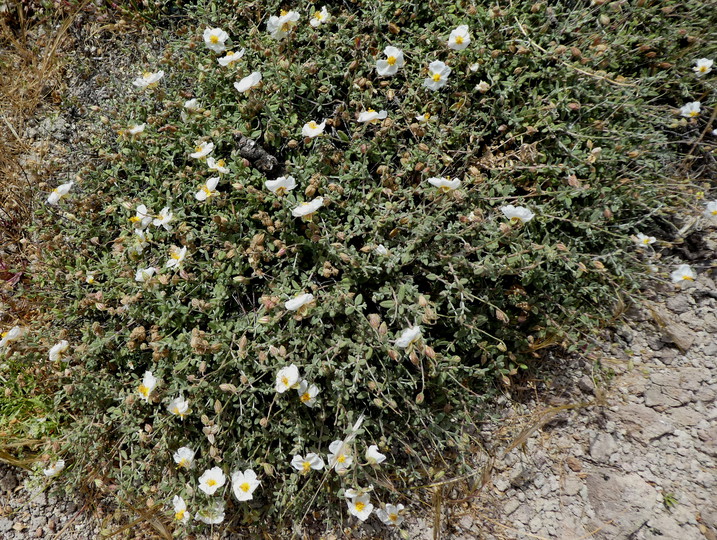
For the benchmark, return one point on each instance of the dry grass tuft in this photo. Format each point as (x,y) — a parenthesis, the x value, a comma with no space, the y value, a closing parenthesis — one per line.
(31,66)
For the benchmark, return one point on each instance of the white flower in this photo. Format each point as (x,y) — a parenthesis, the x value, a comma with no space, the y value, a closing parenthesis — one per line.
(231,57)
(703,67)
(373,456)
(212,515)
(139,243)
(517,213)
(201,150)
(339,457)
(90,278)
(142,218)
(149,383)
(287,377)
(360,507)
(381,250)
(212,480)
(15,333)
(312,129)
(307,209)
(192,107)
(425,117)
(445,184)
(179,407)
(163,219)
(482,87)
(248,82)
(459,38)
(244,484)
(438,73)
(643,241)
(176,256)
(54,469)
(683,273)
(690,110)
(304,465)
(184,457)
(144,274)
(391,515)
(180,510)
(136,129)
(281,186)
(148,80)
(298,302)
(711,210)
(57,350)
(394,60)
(409,336)
(218,166)
(308,393)
(280,26)
(214,39)
(319,17)
(59,192)
(208,190)
(372,116)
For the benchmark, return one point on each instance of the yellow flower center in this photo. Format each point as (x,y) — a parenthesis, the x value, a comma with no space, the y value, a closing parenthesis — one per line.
(198,148)
(245,487)
(135,219)
(207,191)
(306,466)
(221,163)
(646,241)
(305,397)
(360,506)
(179,516)
(183,463)
(211,482)
(427,116)
(371,110)
(393,517)
(285,27)
(146,74)
(285,381)
(445,189)
(459,40)
(714,212)
(693,114)
(341,458)
(313,125)
(3,334)
(214,39)
(703,69)
(281,190)
(436,77)
(143,390)
(318,16)
(391,60)
(90,279)
(175,255)
(283,12)
(688,278)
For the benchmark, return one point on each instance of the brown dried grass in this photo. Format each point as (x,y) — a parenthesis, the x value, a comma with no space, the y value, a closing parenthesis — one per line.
(31,66)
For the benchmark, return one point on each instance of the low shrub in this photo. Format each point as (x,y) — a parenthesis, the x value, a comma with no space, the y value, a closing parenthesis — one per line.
(445,246)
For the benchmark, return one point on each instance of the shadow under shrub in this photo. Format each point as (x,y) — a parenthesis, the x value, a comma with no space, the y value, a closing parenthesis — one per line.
(577,124)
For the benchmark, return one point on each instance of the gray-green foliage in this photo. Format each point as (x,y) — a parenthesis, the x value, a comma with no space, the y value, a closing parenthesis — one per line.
(578,125)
